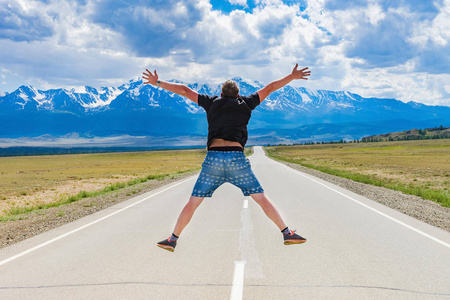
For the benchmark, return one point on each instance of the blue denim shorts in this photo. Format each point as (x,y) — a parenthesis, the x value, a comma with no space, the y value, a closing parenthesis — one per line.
(226,166)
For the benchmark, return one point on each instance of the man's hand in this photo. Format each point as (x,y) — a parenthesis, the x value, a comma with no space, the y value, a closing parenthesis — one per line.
(152,79)
(278,84)
(299,74)
(176,88)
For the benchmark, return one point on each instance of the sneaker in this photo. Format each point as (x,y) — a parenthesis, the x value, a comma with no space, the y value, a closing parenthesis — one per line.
(167,244)
(293,238)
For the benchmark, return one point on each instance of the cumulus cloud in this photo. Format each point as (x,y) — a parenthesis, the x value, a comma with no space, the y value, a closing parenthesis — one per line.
(432,39)
(238,2)
(150,28)
(22,21)
(77,52)
(399,82)
(387,49)
(372,47)
(368,31)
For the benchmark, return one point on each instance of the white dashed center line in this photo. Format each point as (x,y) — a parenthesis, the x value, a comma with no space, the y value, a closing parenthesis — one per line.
(237,290)
(245,204)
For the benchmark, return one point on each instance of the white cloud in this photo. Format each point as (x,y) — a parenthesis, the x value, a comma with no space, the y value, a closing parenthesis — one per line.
(367,47)
(238,2)
(435,32)
(399,83)
(374,13)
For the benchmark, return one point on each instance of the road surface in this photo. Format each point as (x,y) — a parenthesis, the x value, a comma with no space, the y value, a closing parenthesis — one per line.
(356,248)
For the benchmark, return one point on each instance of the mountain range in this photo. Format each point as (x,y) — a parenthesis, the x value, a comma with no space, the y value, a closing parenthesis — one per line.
(135,114)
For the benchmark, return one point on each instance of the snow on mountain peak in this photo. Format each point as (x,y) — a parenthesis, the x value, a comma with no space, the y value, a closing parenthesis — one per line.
(79,90)
(136,79)
(132,83)
(305,98)
(246,81)
(29,93)
(144,97)
(89,98)
(134,108)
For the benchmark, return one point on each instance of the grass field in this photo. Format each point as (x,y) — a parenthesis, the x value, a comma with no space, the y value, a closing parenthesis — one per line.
(36,182)
(419,168)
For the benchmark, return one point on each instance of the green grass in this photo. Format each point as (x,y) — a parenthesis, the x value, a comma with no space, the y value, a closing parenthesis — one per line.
(419,168)
(439,196)
(18,212)
(13,218)
(45,173)
(21,176)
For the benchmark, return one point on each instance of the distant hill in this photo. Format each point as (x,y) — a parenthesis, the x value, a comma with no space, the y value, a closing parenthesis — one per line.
(138,115)
(413,134)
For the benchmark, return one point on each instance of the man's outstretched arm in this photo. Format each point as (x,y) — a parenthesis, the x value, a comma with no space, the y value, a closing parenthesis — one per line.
(277,84)
(176,88)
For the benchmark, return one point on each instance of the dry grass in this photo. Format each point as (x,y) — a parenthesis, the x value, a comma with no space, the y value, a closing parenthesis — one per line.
(416,167)
(27,182)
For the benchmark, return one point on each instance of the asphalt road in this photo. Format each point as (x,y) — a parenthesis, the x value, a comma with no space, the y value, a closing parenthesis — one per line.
(356,248)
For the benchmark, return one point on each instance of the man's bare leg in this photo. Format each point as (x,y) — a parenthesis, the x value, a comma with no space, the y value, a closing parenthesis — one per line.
(269,209)
(290,238)
(183,219)
(186,214)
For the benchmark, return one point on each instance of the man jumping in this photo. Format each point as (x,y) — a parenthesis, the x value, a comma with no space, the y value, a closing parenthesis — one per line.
(227,116)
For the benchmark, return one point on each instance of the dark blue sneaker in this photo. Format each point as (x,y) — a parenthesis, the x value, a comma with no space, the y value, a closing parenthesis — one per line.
(293,238)
(167,244)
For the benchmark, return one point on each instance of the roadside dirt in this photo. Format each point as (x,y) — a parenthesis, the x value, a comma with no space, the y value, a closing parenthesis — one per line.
(425,210)
(40,221)
(60,191)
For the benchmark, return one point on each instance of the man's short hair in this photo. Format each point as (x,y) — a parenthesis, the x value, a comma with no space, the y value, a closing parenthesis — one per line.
(230,89)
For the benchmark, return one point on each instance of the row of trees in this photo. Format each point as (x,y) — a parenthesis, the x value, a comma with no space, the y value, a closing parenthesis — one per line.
(406,138)
(415,134)
(342,141)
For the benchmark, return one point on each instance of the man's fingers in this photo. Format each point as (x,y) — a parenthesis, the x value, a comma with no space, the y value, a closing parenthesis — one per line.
(149,76)
(302,71)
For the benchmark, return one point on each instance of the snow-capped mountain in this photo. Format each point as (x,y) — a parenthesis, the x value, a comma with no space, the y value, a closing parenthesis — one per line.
(135,109)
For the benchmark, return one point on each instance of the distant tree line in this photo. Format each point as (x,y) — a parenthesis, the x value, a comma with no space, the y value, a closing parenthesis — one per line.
(342,141)
(414,134)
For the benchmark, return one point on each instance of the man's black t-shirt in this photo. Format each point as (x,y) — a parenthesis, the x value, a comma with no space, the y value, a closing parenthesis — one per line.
(228,117)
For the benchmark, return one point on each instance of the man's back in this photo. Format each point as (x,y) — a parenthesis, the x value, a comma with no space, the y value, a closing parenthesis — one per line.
(228,117)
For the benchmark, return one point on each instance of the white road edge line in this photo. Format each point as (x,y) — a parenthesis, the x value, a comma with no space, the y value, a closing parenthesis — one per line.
(245,203)
(237,289)
(5,261)
(371,208)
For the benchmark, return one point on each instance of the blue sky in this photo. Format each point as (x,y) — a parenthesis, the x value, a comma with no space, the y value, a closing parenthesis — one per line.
(376,48)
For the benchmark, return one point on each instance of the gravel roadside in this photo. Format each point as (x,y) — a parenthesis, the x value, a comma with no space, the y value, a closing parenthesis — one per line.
(43,220)
(40,221)
(425,210)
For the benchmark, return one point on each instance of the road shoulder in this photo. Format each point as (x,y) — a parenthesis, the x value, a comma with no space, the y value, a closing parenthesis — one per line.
(424,210)
(37,222)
